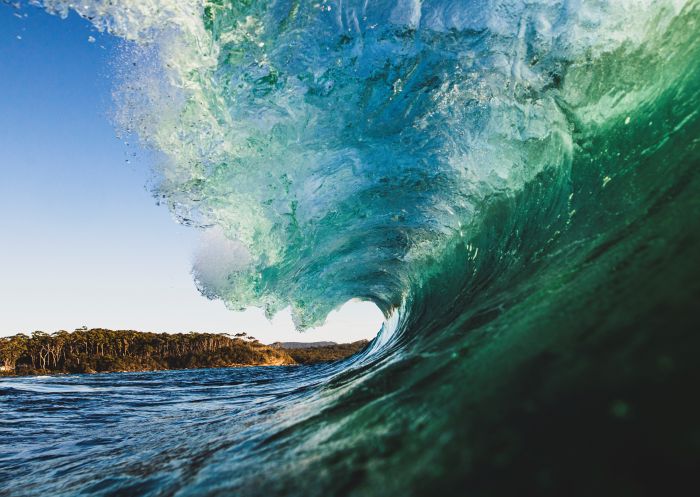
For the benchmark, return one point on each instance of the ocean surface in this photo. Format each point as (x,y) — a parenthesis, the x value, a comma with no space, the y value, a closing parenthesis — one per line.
(184,432)
(515,184)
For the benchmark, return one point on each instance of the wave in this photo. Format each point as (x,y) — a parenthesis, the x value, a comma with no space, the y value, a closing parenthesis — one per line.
(514,184)
(334,148)
(35,385)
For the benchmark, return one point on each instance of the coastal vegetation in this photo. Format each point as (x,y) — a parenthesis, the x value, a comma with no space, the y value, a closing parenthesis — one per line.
(322,353)
(101,350)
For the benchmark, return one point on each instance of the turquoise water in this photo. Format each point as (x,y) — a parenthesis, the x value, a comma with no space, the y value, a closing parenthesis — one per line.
(513,183)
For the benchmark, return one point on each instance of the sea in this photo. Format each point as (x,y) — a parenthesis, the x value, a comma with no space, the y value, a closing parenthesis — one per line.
(515,184)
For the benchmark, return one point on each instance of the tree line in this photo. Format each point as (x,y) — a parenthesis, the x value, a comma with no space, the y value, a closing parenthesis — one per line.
(94,350)
(324,353)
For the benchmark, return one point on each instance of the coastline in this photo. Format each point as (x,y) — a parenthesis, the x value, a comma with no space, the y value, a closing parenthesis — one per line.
(100,350)
(4,374)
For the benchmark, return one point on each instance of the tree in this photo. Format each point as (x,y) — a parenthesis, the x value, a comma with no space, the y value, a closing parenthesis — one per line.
(11,349)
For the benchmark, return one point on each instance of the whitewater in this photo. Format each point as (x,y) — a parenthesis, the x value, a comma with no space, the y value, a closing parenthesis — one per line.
(513,183)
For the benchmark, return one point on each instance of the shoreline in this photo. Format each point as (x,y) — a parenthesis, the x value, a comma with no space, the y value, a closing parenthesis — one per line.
(100,350)
(4,374)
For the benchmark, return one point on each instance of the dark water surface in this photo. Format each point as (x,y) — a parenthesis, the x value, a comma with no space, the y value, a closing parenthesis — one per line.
(153,433)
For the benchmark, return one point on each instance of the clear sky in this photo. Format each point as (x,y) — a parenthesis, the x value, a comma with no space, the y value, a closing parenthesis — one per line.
(81,239)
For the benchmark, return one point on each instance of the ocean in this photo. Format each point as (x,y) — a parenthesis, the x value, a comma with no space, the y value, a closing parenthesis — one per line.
(514,184)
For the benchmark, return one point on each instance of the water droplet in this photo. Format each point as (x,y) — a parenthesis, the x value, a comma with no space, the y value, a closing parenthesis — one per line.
(619,409)
(665,363)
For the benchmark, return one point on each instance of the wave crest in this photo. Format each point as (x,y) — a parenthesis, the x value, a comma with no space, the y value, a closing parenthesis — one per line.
(341,147)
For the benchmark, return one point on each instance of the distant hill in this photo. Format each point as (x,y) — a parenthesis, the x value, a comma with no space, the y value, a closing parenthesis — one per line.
(310,353)
(301,345)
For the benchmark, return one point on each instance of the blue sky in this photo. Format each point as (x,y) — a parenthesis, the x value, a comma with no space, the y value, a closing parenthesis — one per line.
(81,239)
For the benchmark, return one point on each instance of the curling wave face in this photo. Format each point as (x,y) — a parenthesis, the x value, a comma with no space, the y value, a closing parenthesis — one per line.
(336,148)
(515,184)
